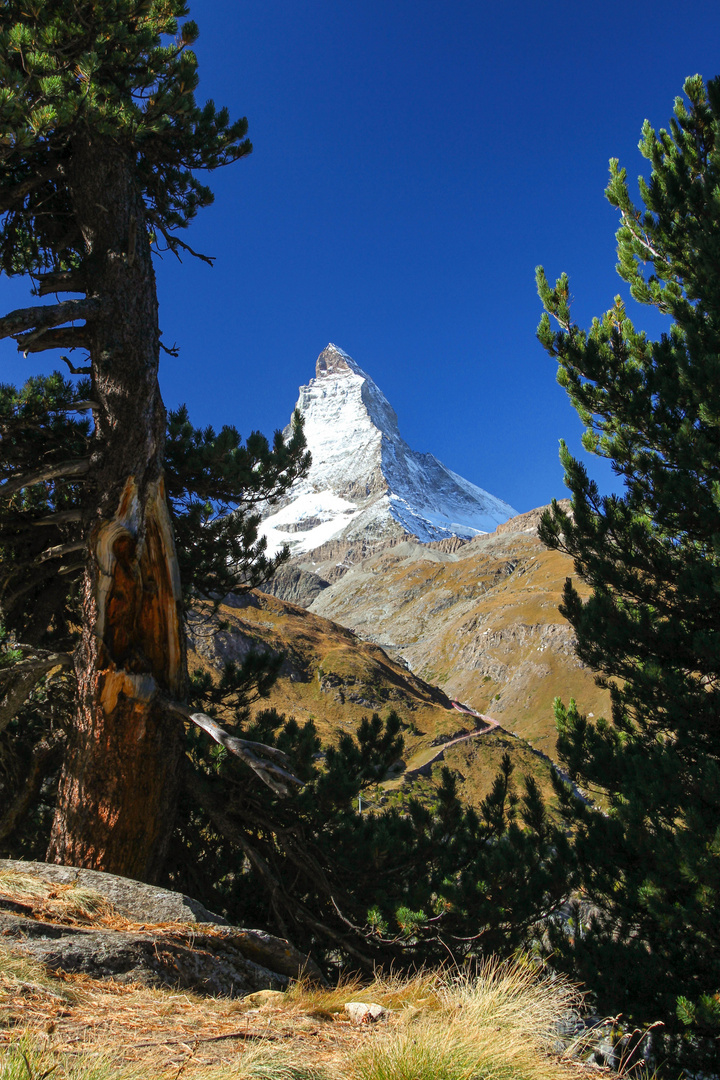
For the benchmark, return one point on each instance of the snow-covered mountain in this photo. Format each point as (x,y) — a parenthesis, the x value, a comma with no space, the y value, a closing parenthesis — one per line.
(365,482)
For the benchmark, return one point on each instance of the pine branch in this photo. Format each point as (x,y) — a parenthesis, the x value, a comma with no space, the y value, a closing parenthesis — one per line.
(63,470)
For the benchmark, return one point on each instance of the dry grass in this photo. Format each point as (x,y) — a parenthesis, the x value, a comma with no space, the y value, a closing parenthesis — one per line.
(495,1026)
(61,902)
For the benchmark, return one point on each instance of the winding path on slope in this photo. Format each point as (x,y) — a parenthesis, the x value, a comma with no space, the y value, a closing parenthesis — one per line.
(426,757)
(420,761)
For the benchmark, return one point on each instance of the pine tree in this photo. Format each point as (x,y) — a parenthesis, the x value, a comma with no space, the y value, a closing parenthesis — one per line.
(214,484)
(100,141)
(651,555)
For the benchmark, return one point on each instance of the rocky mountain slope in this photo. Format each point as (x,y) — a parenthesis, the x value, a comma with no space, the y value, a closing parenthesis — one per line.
(480,621)
(366,485)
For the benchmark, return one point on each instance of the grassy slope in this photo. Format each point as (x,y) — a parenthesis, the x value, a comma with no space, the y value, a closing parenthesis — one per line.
(333,677)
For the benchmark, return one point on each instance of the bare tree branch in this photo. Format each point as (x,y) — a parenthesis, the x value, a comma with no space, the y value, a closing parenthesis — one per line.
(174,242)
(72,569)
(66,337)
(63,470)
(59,551)
(63,517)
(252,753)
(22,677)
(39,318)
(76,370)
(61,281)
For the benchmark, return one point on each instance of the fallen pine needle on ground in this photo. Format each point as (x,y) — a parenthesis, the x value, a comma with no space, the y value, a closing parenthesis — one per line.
(496,1025)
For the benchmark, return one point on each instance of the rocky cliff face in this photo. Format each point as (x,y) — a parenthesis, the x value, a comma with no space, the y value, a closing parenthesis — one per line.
(366,485)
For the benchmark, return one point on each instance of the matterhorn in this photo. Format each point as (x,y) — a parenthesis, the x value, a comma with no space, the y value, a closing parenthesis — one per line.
(365,484)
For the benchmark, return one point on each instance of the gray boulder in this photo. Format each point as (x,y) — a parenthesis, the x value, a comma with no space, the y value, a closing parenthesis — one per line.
(172,940)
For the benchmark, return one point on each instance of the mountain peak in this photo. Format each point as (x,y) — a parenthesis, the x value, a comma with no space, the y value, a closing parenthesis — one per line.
(335,361)
(365,483)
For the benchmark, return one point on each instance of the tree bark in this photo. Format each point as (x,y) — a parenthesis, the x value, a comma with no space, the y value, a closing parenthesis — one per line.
(120,778)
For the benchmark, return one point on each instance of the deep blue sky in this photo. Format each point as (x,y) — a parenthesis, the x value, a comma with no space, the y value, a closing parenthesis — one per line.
(414,160)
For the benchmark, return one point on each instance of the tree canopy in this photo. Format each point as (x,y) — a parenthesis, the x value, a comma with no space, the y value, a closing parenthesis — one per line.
(651,555)
(122,71)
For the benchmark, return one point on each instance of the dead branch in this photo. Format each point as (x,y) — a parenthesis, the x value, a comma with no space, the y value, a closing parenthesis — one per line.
(63,470)
(44,755)
(64,337)
(72,569)
(76,370)
(174,242)
(23,677)
(60,281)
(244,1036)
(252,753)
(59,551)
(63,517)
(39,318)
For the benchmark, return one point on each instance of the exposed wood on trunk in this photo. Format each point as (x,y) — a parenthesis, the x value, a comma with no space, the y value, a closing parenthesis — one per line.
(118,788)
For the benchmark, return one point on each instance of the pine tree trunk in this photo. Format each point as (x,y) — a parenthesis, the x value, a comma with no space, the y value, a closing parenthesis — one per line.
(121,773)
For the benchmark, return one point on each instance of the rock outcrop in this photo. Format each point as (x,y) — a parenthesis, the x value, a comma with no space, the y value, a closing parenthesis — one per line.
(105,926)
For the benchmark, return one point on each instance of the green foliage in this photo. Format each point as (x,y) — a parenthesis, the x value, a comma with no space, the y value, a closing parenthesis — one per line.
(122,70)
(38,426)
(436,878)
(39,423)
(652,559)
(406,885)
(214,484)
